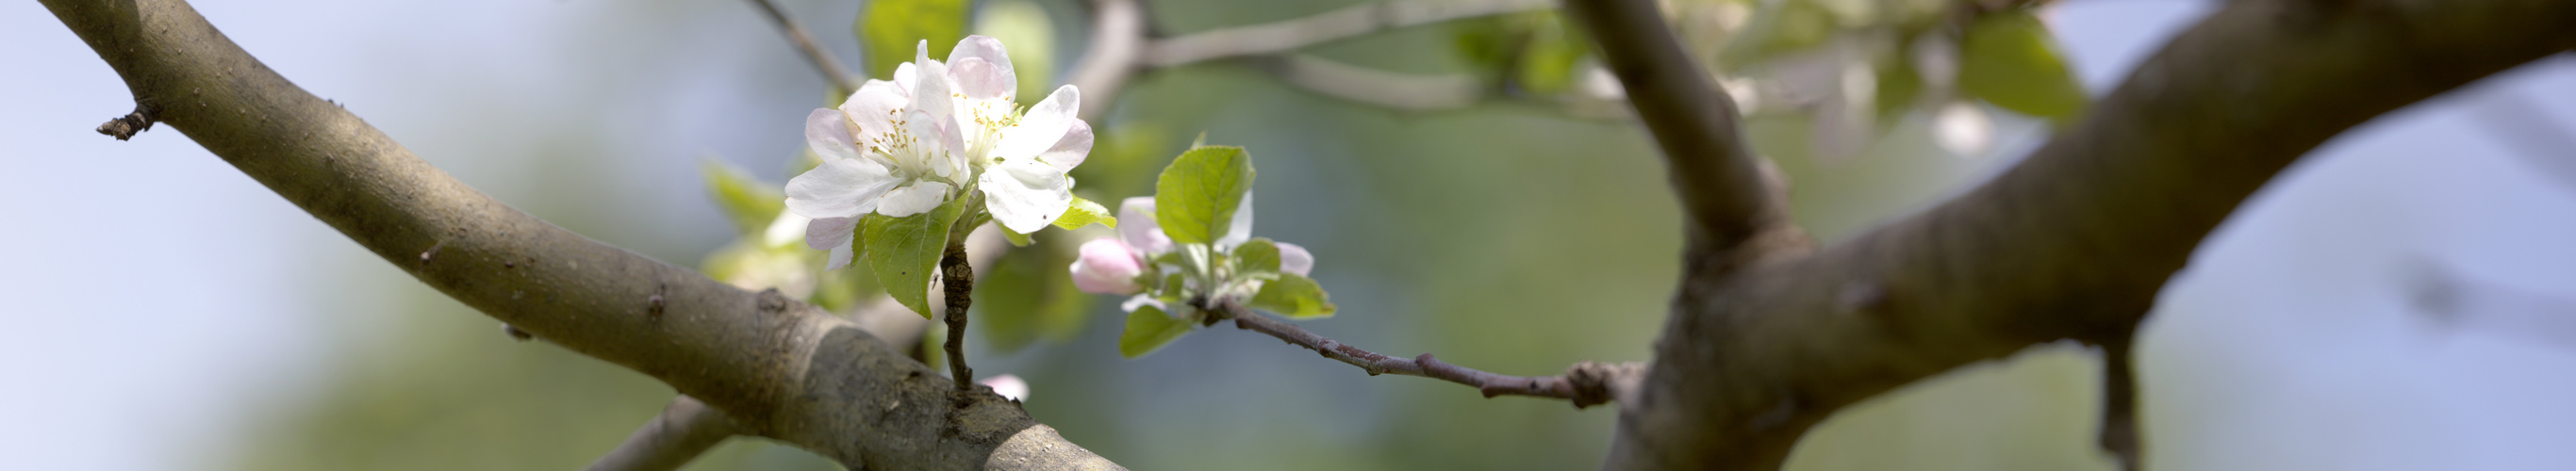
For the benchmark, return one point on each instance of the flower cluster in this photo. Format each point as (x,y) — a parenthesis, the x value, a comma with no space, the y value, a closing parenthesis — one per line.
(940,131)
(1128,264)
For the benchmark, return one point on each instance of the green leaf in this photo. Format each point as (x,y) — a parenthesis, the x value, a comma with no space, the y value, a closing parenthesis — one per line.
(1295,296)
(1148,329)
(1017,239)
(1027,295)
(750,203)
(1084,213)
(1258,256)
(891,28)
(1196,198)
(2009,58)
(905,251)
(1553,53)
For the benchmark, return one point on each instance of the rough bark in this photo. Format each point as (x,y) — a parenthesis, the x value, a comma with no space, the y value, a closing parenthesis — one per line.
(782,369)
(2073,242)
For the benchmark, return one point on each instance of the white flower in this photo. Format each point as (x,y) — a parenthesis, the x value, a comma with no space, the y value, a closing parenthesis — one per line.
(900,148)
(1023,157)
(891,149)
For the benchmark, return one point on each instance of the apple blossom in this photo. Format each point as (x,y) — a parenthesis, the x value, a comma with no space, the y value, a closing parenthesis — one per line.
(901,147)
(1295,259)
(1108,266)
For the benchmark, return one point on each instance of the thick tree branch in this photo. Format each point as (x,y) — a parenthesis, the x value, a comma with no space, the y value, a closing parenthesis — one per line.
(685,429)
(2072,242)
(821,58)
(780,368)
(1585,384)
(1733,217)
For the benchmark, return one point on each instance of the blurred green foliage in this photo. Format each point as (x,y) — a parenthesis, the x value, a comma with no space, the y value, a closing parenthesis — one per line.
(1508,237)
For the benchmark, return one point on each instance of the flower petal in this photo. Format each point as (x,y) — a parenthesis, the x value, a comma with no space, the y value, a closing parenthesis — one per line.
(981,47)
(913,199)
(1136,226)
(839,188)
(1295,259)
(1072,150)
(1107,266)
(828,133)
(994,79)
(1043,126)
(905,75)
(1241,229)
(980,80)
(1025,196)
(873,109)
(826,233)
(840,257)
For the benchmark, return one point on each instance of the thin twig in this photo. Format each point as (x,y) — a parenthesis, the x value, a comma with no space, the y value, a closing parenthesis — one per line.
(1586,384)
(125,127)
(2119,434)
(1403,91)
(958,279)
(685,429)
(814,52)
(1339,24)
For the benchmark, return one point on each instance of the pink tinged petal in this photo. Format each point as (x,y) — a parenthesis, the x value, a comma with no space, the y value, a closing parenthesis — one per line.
(1107,266)
(840,257)
(1295,259)
(825,233)
(905,75)
(1241,229)
(1136,226)
(1025,196)
(913,199)
(874,108)
(1008,386)
(839,188)
(982,47)
(1043,126)
(982,80)
(1072,150)
(828,133)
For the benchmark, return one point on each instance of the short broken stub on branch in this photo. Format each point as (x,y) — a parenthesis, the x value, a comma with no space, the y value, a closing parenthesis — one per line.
(125,127)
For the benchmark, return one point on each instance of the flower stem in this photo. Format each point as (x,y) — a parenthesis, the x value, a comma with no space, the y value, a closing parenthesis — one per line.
(959,279)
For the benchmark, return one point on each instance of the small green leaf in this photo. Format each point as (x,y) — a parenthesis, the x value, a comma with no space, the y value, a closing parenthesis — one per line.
(1295,296)
(1196,198)
(2009,58)
(1017,239)
(1148,329)
(891,29)
(750,203)
(905,251)
(1554,51)
(1084,213)
(1258,256)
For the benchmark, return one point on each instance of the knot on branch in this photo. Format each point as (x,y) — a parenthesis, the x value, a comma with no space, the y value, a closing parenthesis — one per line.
(1599,383)
(125,127)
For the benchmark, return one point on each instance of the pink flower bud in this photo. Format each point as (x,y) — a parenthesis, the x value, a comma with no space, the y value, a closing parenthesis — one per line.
(1294,259)
(1107,266)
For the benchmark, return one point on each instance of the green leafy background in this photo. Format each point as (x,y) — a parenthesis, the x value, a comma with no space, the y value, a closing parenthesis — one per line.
(1508,237)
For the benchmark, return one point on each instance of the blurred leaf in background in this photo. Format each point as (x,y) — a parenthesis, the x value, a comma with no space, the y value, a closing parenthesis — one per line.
(891,30)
